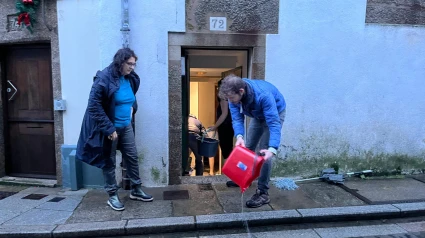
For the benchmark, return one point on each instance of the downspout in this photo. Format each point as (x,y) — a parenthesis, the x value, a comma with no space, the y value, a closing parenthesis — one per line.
(125,31)
(125,28)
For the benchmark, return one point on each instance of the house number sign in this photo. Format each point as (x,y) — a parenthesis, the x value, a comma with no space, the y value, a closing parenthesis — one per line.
(218,24)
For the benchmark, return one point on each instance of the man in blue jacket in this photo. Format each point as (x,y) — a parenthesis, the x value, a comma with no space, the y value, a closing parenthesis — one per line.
(265,105)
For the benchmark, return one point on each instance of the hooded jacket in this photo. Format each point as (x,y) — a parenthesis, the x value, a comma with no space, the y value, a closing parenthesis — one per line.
(93,146)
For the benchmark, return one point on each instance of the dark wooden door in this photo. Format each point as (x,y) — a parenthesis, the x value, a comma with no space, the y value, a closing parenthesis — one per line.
(29,119)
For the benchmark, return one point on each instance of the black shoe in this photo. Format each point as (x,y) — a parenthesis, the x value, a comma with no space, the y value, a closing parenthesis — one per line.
(258,200)
(138,194)
(231,184)
(115,203)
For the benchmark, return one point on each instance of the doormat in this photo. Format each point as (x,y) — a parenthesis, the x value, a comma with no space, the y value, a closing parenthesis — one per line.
(205,187)
(5,194)
(35,196)
(176,195)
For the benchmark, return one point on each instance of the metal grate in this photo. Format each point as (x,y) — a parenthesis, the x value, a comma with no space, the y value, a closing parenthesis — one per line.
(5,194)
(35,196)
(205,187)
(176,195)
(56,199)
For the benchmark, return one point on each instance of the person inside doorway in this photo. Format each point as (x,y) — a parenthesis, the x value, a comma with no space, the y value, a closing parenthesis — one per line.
(196,129)
(265,105)
(108,124)
(223,126)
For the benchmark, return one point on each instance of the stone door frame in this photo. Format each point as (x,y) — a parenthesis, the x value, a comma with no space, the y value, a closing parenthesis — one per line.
(176,41)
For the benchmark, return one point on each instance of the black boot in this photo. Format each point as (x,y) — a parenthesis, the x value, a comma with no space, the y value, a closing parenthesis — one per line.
(138,194)
(115,203)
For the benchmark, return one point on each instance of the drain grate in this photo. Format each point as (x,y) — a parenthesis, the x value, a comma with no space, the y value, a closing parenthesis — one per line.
(176,195)
(5,194)
(56,199)
(205,187)
(35,196)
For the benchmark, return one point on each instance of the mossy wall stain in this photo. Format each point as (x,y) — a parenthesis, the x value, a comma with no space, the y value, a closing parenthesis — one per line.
(155,173)
(140,157)
(317,153)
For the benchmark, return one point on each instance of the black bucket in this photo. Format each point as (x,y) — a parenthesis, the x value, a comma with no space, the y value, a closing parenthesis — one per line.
(207,146)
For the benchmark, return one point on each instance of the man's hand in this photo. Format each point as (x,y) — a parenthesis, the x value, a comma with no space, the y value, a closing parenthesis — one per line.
(113,136)
(240,141)
(267,154)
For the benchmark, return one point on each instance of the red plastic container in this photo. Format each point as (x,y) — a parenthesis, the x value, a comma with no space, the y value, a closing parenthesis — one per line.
(243,166)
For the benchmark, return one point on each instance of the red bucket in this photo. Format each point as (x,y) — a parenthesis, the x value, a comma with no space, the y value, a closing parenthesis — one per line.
(243,166)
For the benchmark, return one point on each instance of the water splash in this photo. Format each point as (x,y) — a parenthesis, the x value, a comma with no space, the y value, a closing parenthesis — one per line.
(245,222)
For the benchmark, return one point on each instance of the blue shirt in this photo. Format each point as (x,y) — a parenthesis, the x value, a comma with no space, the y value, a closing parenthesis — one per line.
(124,99)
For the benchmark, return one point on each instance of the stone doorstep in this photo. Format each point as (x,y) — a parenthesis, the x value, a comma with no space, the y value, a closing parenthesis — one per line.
(7,180)
(188,223)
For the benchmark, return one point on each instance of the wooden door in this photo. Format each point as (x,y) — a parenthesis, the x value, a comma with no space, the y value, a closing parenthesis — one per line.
(29,120)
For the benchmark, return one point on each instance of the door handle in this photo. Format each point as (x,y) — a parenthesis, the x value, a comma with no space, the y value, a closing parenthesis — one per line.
(10,90)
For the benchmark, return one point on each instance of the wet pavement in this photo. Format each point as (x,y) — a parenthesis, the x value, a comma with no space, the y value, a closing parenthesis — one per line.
(60,212)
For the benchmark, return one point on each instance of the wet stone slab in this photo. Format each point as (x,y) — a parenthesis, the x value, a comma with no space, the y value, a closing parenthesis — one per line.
(329,195)
(94,211)
(388,190)
(293,199)
(139,209)
(200,203)
(232,201)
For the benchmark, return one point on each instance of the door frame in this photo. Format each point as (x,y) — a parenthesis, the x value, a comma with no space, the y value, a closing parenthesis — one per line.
(256,46)
(186,96)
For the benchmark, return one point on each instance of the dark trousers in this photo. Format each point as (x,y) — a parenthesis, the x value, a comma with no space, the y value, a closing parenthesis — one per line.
(225,135)
(193,145)
(128,150)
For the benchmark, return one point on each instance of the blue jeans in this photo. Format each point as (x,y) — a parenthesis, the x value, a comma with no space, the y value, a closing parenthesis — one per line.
(128,150)
(258,131)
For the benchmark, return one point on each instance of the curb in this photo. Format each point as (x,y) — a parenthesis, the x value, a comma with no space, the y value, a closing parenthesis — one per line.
(216,221)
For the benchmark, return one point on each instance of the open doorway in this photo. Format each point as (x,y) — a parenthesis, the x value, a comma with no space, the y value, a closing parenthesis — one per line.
(204,69)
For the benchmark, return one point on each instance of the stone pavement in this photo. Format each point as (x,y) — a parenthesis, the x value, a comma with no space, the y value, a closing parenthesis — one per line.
(57,212)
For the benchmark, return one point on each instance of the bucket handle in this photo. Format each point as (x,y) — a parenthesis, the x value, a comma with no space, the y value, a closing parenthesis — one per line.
(255,161)
(204,134)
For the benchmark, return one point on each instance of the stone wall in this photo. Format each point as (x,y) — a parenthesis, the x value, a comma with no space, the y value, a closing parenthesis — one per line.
(243,16)
(410,12)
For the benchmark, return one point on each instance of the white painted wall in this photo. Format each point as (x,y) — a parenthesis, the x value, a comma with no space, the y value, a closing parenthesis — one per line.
(349,86)
(89,36)
(193,103)
(206,104)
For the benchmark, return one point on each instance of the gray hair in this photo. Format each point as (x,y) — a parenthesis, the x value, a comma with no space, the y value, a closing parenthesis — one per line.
(231,84)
